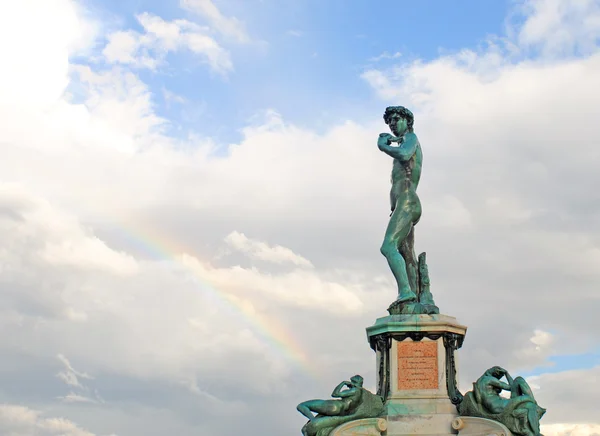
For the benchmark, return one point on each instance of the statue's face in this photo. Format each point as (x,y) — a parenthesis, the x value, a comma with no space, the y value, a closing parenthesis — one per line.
(397,124)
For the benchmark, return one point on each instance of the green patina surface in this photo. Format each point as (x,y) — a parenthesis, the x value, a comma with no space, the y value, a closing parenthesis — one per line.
(415,323)
(520,413)
(410,272)
(395,409)
(414,314)
(351,402)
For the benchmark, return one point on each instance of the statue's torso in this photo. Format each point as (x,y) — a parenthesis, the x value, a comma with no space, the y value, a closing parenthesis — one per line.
(490,397)
(405,179)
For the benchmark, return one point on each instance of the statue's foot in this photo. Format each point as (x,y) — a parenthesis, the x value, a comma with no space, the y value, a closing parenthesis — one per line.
(399,307)
(412,308)
(407,297)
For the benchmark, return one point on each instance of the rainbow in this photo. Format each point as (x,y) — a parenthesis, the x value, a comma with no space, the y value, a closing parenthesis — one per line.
(270,331)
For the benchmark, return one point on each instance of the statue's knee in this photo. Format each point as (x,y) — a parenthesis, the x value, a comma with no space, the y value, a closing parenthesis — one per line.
(386,249)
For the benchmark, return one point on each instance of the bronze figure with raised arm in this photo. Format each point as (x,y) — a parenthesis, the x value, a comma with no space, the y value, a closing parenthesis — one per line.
(414,295)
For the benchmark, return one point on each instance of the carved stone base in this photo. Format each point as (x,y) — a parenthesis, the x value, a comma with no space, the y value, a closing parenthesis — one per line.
(415,356)
(431,424)
(469,426)
(417,372)
(361,427)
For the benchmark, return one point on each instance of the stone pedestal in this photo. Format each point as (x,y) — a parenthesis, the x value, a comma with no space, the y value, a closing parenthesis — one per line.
(361,427)
(470,426)
(416,372)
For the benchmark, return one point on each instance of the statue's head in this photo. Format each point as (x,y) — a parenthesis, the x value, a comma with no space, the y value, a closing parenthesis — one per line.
(357,381)
(399,119)
(496,372)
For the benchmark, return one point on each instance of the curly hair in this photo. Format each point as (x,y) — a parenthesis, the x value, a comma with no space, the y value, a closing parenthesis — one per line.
(403,112)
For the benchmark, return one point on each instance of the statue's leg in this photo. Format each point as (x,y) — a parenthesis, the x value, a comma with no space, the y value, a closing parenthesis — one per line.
(398,229)
(407,251)
(520,387)
(304,409)
(324,407)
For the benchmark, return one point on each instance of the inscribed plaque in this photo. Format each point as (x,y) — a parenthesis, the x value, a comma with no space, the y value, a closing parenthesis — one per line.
(417,365)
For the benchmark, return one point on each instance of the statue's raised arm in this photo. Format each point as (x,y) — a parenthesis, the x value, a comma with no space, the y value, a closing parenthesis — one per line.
(339,391)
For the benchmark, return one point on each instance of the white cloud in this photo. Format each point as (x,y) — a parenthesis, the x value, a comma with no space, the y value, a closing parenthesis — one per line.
(541,339)
(538,349)
(317,293)
(557,390)
(66,243)
(69,375)
(263,251)
(451,212)
(22,421)
(63,427)
(386,55)
(38,81)
(72,397)
(121,300)
(559,27)
(172,97)
(118,107)
(149,49)
(107,238)
(509,208)
(571,429)
(123,47)
(228,26)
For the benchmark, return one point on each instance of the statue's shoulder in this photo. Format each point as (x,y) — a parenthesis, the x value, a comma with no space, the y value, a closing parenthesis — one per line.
(411,138)
(486,378)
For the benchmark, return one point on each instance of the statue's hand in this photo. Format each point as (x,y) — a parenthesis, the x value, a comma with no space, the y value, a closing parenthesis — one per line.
(384,139)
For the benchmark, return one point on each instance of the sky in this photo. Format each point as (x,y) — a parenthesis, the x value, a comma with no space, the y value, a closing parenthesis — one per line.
(192,204)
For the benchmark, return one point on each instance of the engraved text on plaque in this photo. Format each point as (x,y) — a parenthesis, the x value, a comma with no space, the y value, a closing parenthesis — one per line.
(417,365)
